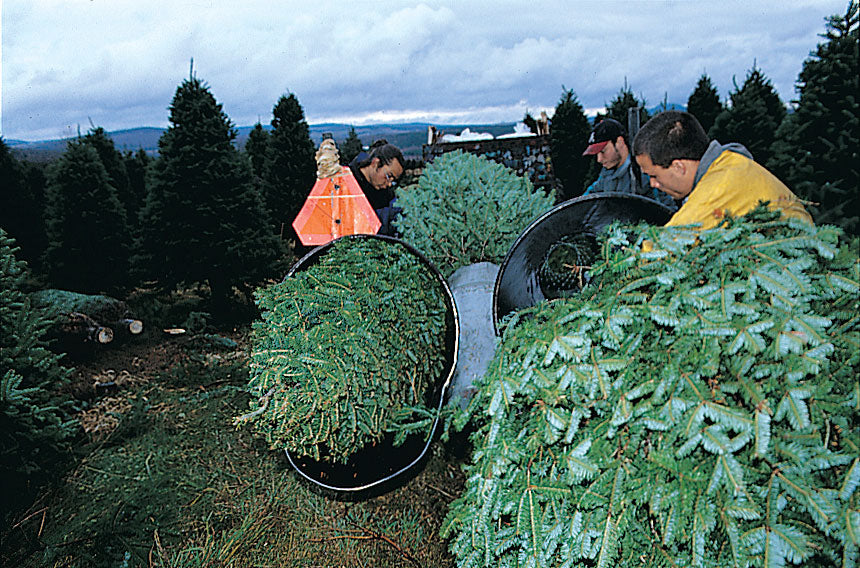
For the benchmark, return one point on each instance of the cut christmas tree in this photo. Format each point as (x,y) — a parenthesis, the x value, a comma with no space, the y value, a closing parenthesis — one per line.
(695,405)
(348,350)
(467,209)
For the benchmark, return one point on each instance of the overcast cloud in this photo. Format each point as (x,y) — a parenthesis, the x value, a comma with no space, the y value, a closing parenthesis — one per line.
(117,63)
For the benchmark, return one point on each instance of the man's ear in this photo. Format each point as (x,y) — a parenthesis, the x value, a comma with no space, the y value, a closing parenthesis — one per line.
(679,167)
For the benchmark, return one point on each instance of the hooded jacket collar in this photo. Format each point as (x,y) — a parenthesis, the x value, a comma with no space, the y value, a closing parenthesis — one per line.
(713,152)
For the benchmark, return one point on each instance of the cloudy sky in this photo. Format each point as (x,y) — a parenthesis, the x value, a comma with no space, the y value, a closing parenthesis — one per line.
(67,64)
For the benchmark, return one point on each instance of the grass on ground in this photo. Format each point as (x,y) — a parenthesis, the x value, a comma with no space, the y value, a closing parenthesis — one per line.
(168,482)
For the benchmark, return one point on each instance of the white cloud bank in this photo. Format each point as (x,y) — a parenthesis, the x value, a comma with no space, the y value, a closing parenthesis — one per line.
(117,63)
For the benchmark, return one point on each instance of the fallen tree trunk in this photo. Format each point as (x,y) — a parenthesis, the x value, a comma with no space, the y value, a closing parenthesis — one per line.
(127,327)
(82,328)
(86,318)
(99,307)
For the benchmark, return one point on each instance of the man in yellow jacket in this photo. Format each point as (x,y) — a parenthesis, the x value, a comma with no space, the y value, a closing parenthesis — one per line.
(712,179)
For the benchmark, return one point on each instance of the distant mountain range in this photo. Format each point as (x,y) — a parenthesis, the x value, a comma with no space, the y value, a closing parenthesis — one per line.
(409,137)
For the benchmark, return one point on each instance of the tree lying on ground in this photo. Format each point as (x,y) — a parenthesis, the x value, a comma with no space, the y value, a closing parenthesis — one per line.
(85,317)
(695,405)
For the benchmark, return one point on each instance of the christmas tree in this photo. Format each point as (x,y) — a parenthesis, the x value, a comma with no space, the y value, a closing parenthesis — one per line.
(467,209)
(619,107)
(568,139)
(255,148)
(753,118)
(350,147)
(695,405)
(347,351)
(89,236)
(704,102)
(816,147)
(36,427)
(288,167)
(21,205)
(204,218)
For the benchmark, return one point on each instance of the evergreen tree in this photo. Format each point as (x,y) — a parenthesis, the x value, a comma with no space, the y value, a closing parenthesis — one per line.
(115,166)
(35,426)
(691,406)
(351,147)
(625,99)
(89,242)
(568,134)
(11,186)
(617,109)
(111,158)
(446,214)
(204,219)
(20,208)
(816,147)
(255,147)
(375,362)
(36,241)
(755,113)
(704,102)
(289,170)
(137,165)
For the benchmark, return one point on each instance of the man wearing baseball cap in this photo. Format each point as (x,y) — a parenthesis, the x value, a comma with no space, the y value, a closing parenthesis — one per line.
(608,143)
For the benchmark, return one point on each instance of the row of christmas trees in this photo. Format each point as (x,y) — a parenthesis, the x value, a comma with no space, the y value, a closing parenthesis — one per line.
(97,220)
(200,212)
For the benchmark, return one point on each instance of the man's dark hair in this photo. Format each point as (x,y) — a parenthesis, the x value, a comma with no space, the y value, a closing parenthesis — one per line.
(671,135)
(624,136)
(384,151)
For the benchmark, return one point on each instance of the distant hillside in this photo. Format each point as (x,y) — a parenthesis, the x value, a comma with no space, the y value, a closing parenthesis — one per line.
(670,106)
(131,139)
(409,137)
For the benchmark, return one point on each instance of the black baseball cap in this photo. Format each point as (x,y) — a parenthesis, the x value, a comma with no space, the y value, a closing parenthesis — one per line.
(607,130)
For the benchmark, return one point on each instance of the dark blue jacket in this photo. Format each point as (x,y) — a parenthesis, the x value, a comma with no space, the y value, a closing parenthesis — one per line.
(623,179)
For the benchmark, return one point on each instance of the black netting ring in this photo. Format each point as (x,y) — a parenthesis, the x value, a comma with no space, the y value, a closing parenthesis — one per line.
(563,270)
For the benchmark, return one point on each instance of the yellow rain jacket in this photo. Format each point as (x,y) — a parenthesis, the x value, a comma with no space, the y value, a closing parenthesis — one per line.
(733,184)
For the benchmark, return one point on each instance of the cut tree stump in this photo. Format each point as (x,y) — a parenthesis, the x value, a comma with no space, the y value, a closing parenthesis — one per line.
(84,328)
(85,319)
